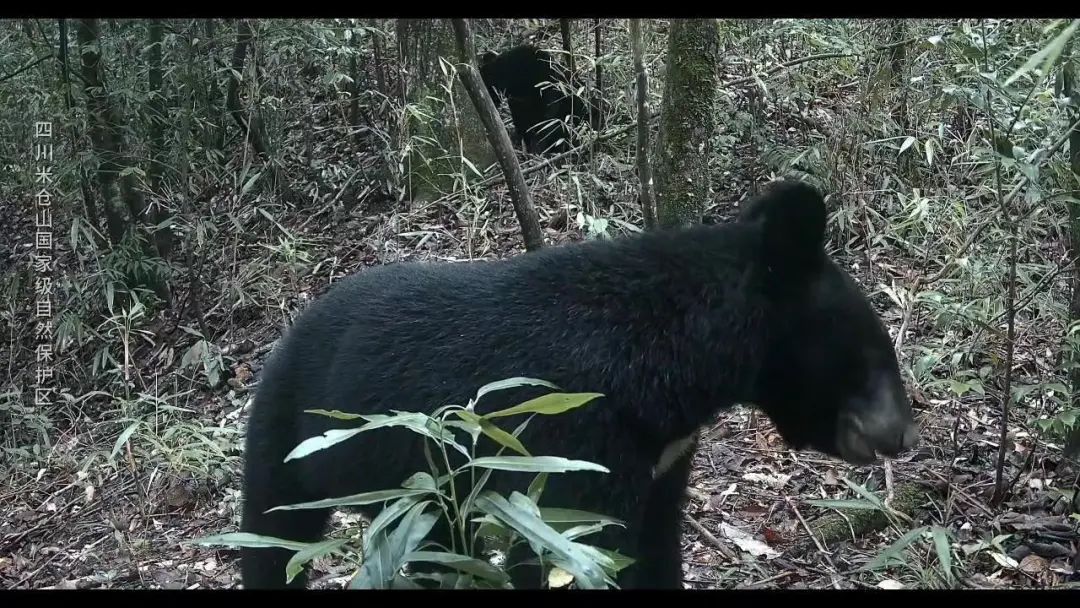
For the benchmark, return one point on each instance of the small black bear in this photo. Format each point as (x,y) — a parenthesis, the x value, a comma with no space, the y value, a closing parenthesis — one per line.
(519,75)
(671,326)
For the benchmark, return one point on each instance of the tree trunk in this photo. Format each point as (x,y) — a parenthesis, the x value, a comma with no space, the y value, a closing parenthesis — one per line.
(158,120)
(103,132)
(376,47)
(567,45)
(123,202)
(1072,446)
(596,59)
(683,148)
(354,88)
(253,132)
(89,201)
(215,134)
(499,138)
(648,209)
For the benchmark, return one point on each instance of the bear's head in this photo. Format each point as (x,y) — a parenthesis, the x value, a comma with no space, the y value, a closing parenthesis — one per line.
(830,380)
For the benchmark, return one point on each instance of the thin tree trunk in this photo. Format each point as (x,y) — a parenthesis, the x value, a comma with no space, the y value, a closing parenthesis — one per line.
(499,138)
(93,217)
(354,88)
(158,118)
(252,131)
(597,51)
(648,209)
(1072,445)
(215,135)
(376,47)
(567,44)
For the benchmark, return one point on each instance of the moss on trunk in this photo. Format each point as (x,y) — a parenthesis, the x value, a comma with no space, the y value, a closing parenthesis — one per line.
(687,121)
(444,129)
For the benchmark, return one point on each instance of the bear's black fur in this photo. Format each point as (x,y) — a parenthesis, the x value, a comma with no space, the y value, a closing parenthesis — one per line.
(519,75)
(671,326)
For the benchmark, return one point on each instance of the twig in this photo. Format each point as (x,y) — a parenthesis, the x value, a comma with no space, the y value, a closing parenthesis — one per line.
(960,492)
(817,543)
(696,525)
(333,202)
(26,67)
(768,580)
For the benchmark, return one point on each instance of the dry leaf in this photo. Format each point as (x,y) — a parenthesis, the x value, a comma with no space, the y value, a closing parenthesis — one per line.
(830,478)
(559,578)
(68,584)
(748,543)
(774,481)
(890,584)
(1033,564)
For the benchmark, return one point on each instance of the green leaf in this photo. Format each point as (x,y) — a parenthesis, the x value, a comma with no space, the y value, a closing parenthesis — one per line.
(313,551)
(536,488)
(861,491)
(469,565)
(365,498)
(908,142)
(388,553)
(555,515)
(618,560)
(419,423)
(124,436)
(340,415)
(421,481)
(328,439)
(892,552)
(576,561)
(251,182)
(1048,55)
(511,383)
(535,464)
(551,403)
(496,434)
(472,166)
(944,553)
(388,516)
(246,539)
(472,429)
(575,532)
(844,504)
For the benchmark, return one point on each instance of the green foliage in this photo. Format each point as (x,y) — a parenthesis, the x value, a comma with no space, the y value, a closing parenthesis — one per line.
(483,522)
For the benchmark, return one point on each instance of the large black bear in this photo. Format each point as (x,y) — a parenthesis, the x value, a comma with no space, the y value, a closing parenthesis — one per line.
(671,326)
(519,75)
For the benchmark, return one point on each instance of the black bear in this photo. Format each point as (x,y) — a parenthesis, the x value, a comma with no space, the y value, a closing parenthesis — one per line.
(671,326)
(527,77)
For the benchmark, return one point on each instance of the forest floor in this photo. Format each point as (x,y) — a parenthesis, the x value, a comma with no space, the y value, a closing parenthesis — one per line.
(73,518)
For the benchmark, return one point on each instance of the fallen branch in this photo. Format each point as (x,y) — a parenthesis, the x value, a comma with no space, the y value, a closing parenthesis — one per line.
(710,537)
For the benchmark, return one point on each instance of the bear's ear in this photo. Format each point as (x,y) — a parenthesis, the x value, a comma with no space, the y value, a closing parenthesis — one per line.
(792,218)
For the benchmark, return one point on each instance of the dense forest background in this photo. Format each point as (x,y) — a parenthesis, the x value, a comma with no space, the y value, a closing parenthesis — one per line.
(175,191)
